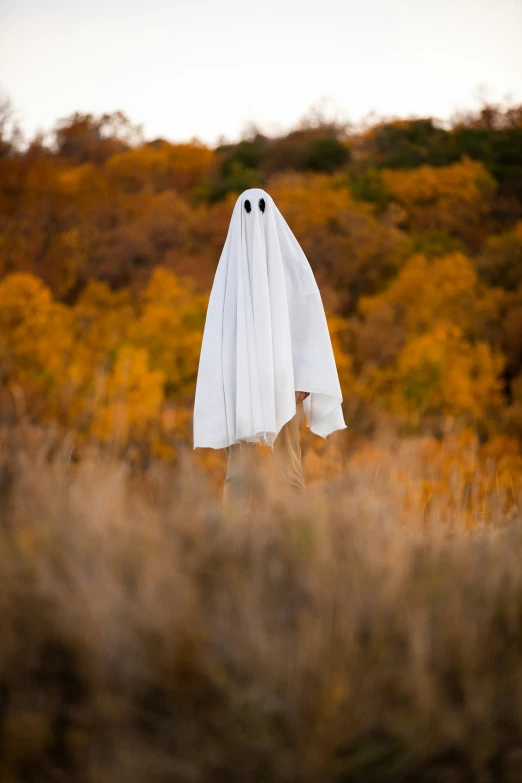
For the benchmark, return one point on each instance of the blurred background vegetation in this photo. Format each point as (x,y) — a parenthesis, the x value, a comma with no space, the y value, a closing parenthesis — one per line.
(109,243)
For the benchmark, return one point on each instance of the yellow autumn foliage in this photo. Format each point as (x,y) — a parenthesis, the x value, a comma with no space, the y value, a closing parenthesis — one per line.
(453,198)
(164,165)
(440,372)
(170,327)
(427,292)
(110,369)
(35,339)
(130,399)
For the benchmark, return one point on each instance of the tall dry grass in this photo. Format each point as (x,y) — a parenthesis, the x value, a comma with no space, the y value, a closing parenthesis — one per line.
(371,634)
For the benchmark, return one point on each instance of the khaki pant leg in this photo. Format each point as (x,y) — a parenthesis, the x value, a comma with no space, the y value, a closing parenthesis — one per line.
(237,490)
(288,473)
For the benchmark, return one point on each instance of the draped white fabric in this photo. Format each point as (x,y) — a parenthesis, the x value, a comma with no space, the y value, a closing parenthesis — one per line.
(265,336)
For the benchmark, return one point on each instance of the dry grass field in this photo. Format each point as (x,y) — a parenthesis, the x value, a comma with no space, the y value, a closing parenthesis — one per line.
(371,634)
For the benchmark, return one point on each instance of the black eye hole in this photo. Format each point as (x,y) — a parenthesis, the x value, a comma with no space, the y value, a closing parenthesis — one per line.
(262,204)
(248,206)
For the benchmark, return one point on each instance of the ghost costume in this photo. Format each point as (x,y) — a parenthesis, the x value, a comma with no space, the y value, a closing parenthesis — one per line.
(265,336)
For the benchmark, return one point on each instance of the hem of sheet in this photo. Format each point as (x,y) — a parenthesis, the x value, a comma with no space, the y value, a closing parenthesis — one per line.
(329,423)
(259,437)
(334,417)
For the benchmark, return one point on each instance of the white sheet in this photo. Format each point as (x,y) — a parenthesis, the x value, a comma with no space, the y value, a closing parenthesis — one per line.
(265,336)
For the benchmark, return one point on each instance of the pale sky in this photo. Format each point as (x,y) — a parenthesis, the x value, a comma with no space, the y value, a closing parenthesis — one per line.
(202,68)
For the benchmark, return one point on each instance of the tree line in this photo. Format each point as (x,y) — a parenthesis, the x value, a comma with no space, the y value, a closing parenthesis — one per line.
(109,243)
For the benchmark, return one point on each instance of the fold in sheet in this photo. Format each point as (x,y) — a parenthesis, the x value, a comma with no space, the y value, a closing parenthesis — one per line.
(265,337)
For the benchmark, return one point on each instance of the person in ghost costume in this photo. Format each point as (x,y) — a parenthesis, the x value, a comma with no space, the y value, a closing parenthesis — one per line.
(266,358)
